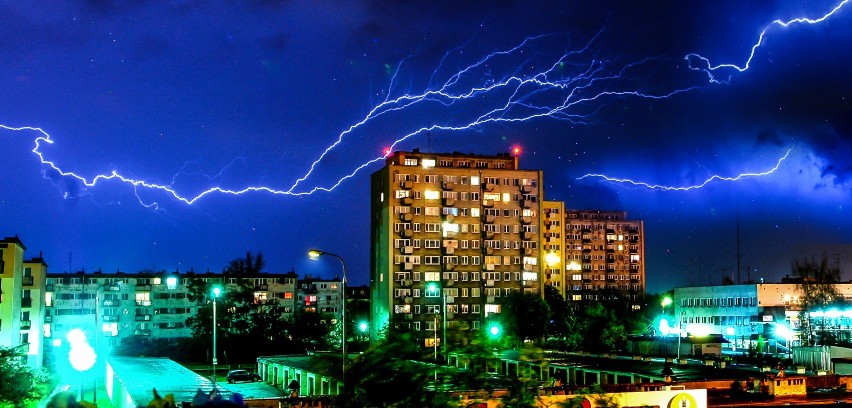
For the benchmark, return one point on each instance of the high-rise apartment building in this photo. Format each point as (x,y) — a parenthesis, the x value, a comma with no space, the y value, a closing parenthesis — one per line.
(603,251)
(451,234)
(21,300)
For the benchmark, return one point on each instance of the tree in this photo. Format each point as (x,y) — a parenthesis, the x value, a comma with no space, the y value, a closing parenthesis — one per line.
(561,328)
(818,286)
(248,266)
(524,316)
(17,380)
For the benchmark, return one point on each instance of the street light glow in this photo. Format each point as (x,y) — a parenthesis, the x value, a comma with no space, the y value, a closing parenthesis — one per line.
(552,259)
(217,291)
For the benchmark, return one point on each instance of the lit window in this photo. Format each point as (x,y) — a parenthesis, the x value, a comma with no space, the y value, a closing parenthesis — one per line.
(474,180)
(288,295)
(428,163)
(432,195)
(431,276)
(474,212)
(506,197)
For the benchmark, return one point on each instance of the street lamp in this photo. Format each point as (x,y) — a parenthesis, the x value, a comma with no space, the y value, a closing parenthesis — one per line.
(433,288)
(216,292)
(315,254)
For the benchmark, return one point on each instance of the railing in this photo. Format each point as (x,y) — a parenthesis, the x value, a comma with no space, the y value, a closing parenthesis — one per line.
(26,302)
(27,281)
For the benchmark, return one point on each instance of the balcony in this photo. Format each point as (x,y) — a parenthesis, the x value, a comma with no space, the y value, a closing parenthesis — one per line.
(488,219)
(405,282)
(26,324)
(527,189)
(526,203)
(27,281)
(407,266)
(406,201)
(528,236)
(488,186)
(448,185)
(110,318)
(449,250)
(407,217)
(450,267)
(407,250)
(489,251)
(406,233)
(48,288)
(27,302)
(449,202)
(488,203)
(406,184)
(488,234)
(139,332)
(48,319)
(526,220)
(143,287)
(530,251)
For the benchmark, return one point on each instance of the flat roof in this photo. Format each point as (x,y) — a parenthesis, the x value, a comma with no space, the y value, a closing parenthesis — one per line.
(140,375)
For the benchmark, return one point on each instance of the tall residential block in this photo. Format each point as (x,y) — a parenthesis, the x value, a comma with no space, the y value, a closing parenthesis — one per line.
(451,234)
(604,252)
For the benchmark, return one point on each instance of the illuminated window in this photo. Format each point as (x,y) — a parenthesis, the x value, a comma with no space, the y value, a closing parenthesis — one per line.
(259,297)
(157,281)
(428,163)
(491,196)
(432,195)
(474,180)
(506,197)
(489,308)
(530,276)
(143,299)
(431,276)
(48,299)
(474,212)
(529,213)
(450,229)
(288,295)
(410,162)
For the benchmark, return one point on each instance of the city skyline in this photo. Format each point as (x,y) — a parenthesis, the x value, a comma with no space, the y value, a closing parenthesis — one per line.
(251,94)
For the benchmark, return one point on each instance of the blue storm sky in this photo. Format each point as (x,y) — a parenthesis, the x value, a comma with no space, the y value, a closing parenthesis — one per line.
(192,95)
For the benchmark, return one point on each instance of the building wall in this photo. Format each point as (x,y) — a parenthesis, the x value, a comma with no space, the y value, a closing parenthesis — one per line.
(470,225)
(111,308)
(21,300)
(556,271)
(743,312)
(609,251)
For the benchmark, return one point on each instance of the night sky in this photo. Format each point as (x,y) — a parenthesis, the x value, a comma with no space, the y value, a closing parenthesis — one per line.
(192,95)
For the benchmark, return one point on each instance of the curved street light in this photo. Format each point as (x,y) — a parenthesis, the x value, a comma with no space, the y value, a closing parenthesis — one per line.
(314,254)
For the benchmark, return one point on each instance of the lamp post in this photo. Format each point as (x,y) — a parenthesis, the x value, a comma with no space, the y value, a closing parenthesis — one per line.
(315,254)
(99,331)
(216,292)
(679,333)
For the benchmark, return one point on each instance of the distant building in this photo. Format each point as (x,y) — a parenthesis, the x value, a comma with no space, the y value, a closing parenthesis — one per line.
(112,307)
(22,296)
(752,313)
(604,250)
(453,228)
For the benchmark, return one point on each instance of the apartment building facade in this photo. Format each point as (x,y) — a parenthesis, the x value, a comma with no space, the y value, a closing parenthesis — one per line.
(111,308)
(450,235)
(604,250)
(22,284)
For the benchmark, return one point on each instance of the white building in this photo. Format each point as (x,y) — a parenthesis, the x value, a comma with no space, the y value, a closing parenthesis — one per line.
(747,313)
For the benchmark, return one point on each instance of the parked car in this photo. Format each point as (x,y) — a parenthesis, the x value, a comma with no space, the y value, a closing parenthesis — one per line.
(242,375)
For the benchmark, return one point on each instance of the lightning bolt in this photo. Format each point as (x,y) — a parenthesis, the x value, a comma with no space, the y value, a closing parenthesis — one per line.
(572,86)
(692,187)
(698,63)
